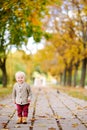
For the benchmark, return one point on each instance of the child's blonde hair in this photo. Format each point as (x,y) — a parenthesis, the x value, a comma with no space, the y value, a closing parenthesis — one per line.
(19,73)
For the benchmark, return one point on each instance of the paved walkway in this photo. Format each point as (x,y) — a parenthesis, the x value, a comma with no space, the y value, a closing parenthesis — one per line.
(49,110)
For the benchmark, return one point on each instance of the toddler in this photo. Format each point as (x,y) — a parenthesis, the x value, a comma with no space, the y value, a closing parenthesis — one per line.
(21,97)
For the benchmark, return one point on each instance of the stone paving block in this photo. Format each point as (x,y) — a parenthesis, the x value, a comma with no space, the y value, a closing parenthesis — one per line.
(48,110)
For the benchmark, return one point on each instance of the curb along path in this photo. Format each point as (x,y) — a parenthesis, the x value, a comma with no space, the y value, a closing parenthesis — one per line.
(49,110)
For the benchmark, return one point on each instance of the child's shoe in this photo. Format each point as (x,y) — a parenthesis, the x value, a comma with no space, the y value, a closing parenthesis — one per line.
(24,120)
(19,121)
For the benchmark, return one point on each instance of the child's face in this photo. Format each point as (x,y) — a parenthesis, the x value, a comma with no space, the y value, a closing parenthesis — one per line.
(20,79)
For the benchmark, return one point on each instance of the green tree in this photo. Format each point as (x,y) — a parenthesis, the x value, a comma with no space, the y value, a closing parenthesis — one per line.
(18,21)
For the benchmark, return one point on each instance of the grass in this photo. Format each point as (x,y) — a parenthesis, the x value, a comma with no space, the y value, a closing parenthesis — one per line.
(80,93)
(5,91)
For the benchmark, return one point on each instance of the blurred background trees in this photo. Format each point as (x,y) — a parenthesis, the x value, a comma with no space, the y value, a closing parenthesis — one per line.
(63,25)
(19,20)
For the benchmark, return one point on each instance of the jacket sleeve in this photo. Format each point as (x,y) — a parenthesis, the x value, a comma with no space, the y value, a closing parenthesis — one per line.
(29,92)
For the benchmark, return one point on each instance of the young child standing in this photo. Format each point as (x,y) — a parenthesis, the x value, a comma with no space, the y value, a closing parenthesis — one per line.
(21,97)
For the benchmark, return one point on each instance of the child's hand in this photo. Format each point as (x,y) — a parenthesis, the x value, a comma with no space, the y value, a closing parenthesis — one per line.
(14,102)
(29,100)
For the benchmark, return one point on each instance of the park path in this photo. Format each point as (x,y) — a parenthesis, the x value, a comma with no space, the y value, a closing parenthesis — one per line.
(49,110)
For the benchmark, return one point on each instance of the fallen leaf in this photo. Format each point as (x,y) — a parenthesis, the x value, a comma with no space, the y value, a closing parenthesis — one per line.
(31,126)
(85,124)
(10,115)
(75,125)
(33,119)
(17,126)
(3,105)
(51,128)
(4,124)
(42,125)
(79,108)
(42,116)
(85,107)
(58,117)
(4,129)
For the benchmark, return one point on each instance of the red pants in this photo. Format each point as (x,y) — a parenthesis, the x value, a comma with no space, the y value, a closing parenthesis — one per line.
(22,110)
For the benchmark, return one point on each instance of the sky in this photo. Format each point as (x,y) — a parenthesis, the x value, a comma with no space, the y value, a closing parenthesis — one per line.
(32,47)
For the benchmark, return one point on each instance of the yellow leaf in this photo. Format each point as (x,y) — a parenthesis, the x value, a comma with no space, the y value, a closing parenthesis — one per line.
(51,128)
(79,108)
(85,107)
(42,125)
(17,126)
(33,119)
(75,125)
(58,117)
(42,116)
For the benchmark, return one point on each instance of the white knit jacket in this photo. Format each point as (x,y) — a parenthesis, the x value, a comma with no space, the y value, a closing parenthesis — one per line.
(21,93)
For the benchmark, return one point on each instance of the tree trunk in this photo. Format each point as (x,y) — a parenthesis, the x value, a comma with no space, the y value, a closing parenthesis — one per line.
(69,80)
(64,77)
(83,74)
(4,73)
(61,78)
(75,75)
